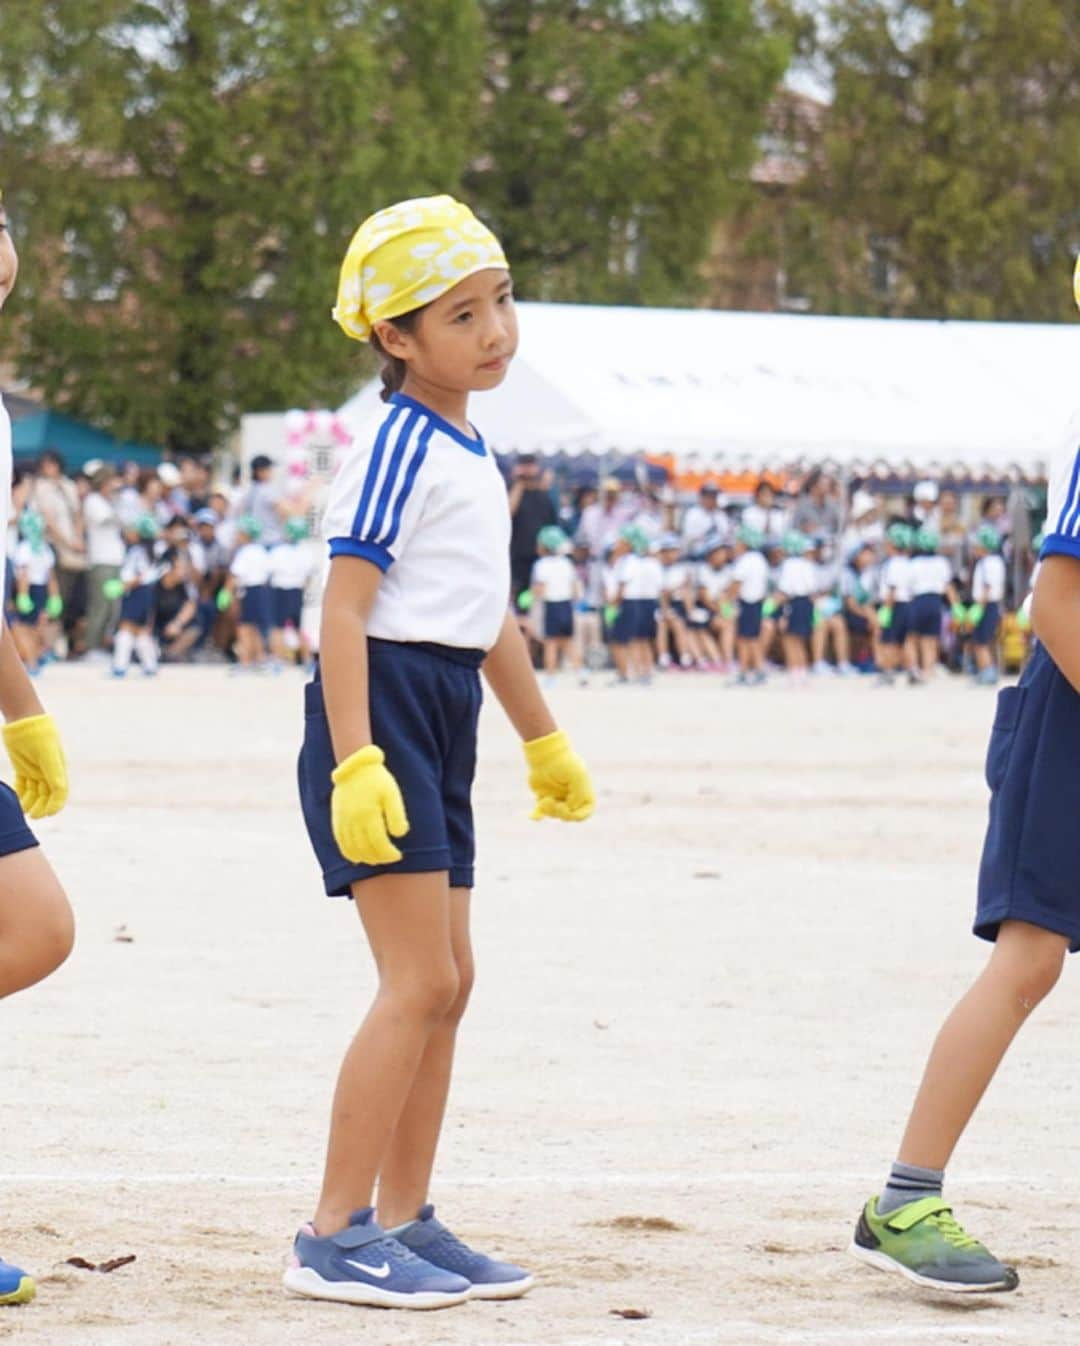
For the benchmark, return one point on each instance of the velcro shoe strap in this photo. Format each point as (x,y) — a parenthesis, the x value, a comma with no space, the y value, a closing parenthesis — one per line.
(907,1217)
(358,1235)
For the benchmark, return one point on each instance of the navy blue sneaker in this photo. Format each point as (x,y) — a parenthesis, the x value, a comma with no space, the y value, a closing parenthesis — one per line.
(430,1239)
(363,1264)
(16,1287)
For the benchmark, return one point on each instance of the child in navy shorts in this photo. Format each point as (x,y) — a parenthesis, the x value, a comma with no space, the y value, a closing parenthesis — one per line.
(930,581)
(138,584)
(415,608)
(795,588)
(987,595)
(290,570)
(554,584)
(37,594)
(894,591)
(249,580)
(36,925)
(1028,904)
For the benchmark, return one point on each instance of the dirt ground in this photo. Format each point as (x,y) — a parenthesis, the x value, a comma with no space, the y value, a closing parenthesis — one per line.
(698,1024)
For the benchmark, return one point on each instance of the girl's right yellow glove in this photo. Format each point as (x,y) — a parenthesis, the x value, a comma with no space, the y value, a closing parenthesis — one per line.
(41,779)
(559,779)
(366,809)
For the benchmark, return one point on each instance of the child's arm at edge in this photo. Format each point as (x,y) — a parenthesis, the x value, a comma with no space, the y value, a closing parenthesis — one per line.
(350,593)
(1055,613)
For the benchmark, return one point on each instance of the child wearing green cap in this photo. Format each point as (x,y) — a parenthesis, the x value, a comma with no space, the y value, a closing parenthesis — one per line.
(554,585)
(987,594)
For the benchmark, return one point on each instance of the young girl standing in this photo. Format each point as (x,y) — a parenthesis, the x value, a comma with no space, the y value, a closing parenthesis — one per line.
(36,926)
(415,607)
(1028,903)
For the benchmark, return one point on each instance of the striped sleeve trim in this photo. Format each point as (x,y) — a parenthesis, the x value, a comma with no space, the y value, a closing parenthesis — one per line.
(1058,545)
(1068,524)
(396,459)
(367,551)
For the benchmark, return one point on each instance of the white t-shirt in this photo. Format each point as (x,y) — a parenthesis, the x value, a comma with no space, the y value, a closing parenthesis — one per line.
(988,579)
(428,506)
(699,523)
(290,565)
(896,579)
(929,575)
(797,577)
(751,573)
(860,586)
(138,565)
(715,583)
(251,566)
(676,577)
(640,576)
(104,543)
(768,522)
(558,576)
(38,563)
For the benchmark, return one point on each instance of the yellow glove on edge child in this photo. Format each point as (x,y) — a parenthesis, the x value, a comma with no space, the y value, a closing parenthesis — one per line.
(366,809)
(41,779)
(559,779)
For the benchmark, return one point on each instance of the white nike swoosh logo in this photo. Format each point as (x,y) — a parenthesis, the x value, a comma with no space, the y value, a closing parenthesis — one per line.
(381,1272)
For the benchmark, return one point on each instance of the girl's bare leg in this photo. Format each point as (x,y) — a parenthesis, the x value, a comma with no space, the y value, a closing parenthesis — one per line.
(407,920)
(37,929)
(405,1177)
(1023,969)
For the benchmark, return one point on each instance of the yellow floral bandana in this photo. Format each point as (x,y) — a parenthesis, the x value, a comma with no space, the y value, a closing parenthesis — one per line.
(408,255)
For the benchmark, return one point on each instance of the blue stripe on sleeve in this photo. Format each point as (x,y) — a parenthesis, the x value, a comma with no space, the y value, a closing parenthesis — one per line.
(367,551)
(415,463)
(1067,520)
(392,474)
(373,469)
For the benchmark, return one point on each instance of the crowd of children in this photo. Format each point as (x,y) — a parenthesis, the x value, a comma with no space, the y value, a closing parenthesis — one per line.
(751,603)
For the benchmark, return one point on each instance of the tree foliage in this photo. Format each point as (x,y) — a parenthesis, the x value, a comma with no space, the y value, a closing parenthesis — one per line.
(184,175)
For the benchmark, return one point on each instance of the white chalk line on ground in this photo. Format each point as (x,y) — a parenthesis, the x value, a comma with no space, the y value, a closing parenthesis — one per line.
(795,1179)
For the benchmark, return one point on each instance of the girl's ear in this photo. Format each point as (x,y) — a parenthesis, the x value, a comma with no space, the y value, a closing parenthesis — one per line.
(393,340)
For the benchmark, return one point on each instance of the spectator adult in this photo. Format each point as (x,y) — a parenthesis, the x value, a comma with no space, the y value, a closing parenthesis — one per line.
(865,526)
(763,515)
(193,492)
(128,504)
(263,500)
(105,554)
(952,535)
(531,508)
(707,518)
(57,498)
(817,513)
(601,519)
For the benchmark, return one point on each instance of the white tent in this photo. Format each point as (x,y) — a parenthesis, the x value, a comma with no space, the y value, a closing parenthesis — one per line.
(755,390)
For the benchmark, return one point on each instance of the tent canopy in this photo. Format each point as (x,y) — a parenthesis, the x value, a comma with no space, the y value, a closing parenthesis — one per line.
(750,390)
(76,443)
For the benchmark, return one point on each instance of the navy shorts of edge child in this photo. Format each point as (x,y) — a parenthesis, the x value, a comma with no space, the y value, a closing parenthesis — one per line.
(924,615)
(986,630)
(749,623)
(897,631)
(558,620)
(256,609)
(1030,867)
(425,704)
(287,607)
(15,835)
(800,617)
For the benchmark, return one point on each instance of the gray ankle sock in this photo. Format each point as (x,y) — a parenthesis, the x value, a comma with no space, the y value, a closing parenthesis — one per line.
(907,1183)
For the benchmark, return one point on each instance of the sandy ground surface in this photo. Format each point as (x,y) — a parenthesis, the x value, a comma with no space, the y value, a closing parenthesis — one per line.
(704,1012)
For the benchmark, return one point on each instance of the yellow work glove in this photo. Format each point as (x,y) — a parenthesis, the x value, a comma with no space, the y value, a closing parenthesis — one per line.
(366,809)
(41,779)
(559,779)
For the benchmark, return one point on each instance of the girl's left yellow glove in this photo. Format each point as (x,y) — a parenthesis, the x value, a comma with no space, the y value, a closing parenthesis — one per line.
(41,779)
(559,779)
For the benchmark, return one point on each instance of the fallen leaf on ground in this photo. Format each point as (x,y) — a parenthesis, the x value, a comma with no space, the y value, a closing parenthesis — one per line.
(110,1265)
(630,1313)
(647,1223)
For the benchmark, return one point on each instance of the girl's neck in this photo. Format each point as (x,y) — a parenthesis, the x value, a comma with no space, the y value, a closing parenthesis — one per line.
(449,403)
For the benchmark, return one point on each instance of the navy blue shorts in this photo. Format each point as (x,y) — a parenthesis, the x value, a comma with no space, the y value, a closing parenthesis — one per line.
(986,631)
(898,627)
(800,617)
(137,605)
(255,608)
(558,620)
(425,704)
(856,624)
(1030,867)
(622,628)
(644,616)
(749,626)
(39,596)
(924,615)
(15,834)
(287,607)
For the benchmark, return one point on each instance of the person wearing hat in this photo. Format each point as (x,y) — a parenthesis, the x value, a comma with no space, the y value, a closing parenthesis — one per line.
(554,585)
(706,518)
(676,599)
(988,595)
(137,590)
(248,581)
(415,611)
(290,570)
(894,593)
(932,591)
(749,589)
(795,585)
(37,929)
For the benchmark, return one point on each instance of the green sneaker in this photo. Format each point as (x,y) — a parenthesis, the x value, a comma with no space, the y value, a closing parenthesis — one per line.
(924,1242)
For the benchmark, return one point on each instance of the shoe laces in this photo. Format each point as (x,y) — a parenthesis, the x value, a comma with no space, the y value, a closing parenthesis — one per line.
(952,1231)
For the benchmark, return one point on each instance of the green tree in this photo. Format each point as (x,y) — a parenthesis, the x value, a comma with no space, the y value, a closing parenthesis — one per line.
(617,133)
(187,173)
(946,184)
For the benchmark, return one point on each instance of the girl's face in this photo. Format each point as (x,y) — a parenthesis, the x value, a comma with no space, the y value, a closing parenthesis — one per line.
(465,340)
(9,260)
